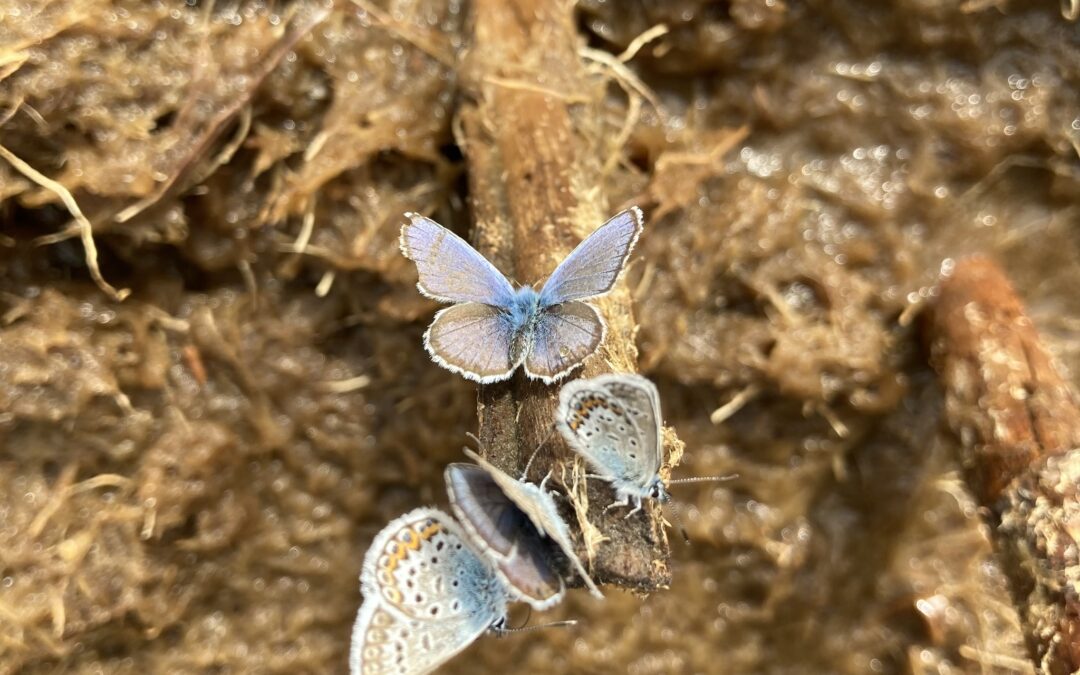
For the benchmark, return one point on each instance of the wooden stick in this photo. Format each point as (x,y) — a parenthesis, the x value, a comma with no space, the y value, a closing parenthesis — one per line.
(1018,422)
(534,175)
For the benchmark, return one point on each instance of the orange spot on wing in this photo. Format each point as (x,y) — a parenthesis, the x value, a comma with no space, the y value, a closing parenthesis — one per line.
(430,531)
(414,539)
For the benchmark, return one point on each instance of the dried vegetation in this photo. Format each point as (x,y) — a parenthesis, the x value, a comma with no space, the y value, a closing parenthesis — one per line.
(189,477)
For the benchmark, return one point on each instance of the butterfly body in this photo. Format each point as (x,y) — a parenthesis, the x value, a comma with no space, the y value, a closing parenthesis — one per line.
(522,315)
(494,328)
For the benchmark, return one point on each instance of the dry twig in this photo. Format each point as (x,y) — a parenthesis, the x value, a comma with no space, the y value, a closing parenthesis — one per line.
(1018,422)
(534,167)
(86,230)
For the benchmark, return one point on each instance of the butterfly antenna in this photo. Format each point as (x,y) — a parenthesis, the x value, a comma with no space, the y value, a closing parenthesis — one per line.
(528,465)
(479,443)
(665,498)
(703,479)
(674,506)
(525,628)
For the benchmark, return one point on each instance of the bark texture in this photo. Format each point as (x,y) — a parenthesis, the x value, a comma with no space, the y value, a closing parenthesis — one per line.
(527,133)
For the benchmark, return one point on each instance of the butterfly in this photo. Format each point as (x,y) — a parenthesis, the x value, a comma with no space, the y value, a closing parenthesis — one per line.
(427,596)
(513,519)
(614,422)
(432,585)
(493,327)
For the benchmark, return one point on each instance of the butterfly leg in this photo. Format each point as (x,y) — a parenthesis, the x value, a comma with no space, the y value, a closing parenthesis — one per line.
(535,452)
(544,482)
(615,504)
(637,506)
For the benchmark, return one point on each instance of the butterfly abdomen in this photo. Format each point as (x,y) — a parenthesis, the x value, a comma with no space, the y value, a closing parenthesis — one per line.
(522,315)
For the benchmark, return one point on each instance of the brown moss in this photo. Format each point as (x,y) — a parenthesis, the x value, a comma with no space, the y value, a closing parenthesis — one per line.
(189,478)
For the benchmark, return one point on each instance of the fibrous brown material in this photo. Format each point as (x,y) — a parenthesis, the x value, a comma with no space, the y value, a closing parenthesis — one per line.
(189,479)
(533,177)
(164,505)
(1019,425)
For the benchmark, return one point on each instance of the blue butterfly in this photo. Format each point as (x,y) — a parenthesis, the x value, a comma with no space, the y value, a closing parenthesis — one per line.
(494,328)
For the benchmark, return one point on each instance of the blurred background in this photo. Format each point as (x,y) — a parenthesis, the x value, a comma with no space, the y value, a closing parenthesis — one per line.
(190,475)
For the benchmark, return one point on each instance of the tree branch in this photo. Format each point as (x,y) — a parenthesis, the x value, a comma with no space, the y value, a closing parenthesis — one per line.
(1019,425)
(534,177)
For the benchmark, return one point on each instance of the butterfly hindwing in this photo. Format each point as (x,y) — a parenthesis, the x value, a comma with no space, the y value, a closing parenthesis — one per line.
(564,336)
(474,340)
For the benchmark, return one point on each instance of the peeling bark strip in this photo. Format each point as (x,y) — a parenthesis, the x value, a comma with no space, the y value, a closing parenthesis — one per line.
(533,177)
(1019,425)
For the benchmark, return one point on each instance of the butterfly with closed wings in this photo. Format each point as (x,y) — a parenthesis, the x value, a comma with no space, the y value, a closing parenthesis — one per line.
(614,422)
(511,518)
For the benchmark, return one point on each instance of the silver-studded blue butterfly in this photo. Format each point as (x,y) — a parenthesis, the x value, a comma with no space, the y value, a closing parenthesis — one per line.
(493,328)
(431,588)
(511,521)
(427,596)
(614,422)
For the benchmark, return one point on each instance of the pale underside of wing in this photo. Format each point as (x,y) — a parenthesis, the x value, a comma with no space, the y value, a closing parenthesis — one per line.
(450,269)
(384,643)
(641,401)
(474,340)
(598,427)
(427,595)
(411,561)
(593,267)
(564,336)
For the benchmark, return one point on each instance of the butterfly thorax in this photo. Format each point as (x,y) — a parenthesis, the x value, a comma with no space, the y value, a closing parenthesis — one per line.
(524,309)
(521,314)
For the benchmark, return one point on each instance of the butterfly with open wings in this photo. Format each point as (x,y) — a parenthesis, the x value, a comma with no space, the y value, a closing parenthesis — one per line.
(493,327)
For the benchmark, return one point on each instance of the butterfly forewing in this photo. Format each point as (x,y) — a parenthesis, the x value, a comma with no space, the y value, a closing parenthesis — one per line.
(450,269)
(503,531)
(592,268)
(541,510)
(616,436)
(641,401)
